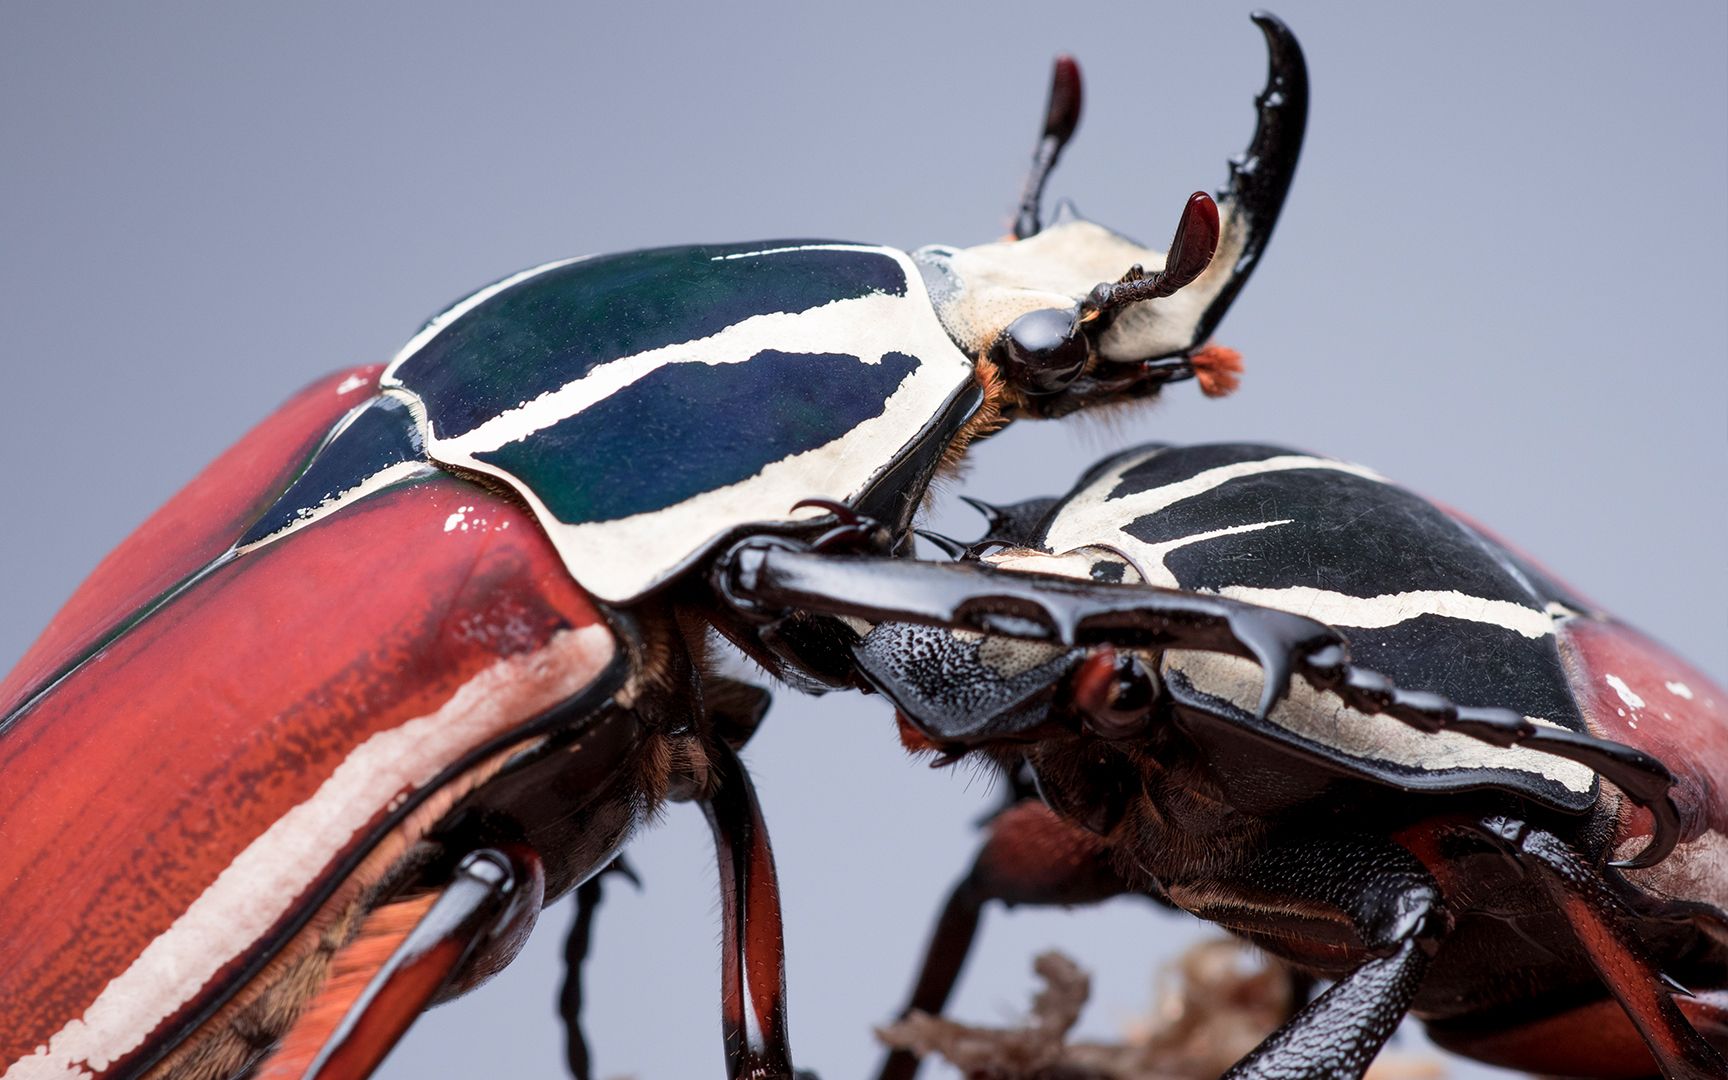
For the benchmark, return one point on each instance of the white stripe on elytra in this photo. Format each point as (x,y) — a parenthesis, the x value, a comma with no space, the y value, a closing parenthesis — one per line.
(1390,609)
(268,877)
(1093,517)
(866,327)
(462,307)
(1093,513)
(868,248)
(1323,718)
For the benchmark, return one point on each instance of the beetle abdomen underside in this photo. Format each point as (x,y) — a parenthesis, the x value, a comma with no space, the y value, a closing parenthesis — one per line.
(646,404)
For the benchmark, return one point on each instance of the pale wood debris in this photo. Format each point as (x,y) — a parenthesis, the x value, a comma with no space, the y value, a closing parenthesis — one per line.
(1215,1004)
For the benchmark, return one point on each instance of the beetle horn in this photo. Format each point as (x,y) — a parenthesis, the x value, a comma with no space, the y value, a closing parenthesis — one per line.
(1260,177)
(1235,228)
(1061,117)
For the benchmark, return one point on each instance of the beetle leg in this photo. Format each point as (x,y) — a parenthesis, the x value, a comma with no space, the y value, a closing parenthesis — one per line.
(494,894)
(1603,926)
(1384,899)
(753,960)
(766,578)
(588,897)
(1030,856)
(1643,778)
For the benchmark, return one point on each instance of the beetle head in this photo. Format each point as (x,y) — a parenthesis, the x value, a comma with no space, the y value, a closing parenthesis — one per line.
(1074,314)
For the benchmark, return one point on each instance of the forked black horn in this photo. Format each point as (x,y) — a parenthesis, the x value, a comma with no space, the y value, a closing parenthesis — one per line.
(1260,177)
(1061,117)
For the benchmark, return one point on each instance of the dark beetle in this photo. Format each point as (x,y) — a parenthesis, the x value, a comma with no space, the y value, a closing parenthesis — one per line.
(1491,866)
(309,751)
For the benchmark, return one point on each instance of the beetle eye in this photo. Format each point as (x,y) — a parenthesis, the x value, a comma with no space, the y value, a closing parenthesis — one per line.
(1114,692)
(1042,351)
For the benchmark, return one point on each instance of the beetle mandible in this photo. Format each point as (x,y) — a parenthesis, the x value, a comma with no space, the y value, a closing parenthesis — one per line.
(1479,851)
(535,516)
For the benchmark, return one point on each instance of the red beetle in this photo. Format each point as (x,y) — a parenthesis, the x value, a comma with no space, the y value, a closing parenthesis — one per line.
(310,749)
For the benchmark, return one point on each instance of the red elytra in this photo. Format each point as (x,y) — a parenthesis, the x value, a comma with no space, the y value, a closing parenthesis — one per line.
(1640,693)
(354,679)
(193,527)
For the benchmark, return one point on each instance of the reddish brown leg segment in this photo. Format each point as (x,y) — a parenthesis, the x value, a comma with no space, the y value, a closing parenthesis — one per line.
(1601,923)
(753,959)
(1030,856)
(494,894)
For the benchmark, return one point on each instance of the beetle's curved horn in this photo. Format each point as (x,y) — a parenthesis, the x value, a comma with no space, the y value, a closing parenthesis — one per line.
(1241,222)
(1260,177)
(1061,117)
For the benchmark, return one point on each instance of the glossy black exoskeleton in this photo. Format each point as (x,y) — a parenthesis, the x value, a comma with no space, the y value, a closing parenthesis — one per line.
(1513,830)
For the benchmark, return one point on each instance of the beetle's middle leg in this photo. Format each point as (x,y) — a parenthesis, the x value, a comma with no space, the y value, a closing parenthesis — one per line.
(1030,856)
(1360,895)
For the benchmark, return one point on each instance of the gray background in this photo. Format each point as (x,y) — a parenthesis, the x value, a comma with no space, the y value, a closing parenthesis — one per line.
(1500,278)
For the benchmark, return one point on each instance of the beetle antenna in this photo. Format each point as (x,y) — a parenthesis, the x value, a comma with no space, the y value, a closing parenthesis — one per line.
(1061,117)
(1190,253)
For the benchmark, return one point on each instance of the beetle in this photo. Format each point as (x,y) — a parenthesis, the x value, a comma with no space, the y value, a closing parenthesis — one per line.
(424,649)
(1522,844)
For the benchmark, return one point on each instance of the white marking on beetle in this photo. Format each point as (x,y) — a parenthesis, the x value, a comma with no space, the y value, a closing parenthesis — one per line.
(796,247)
(262,882)
(1632,700)
(620,559)
(1390,609)
(1322,717)
(349,385)
(867,327)
(1679,689)
(1093,514)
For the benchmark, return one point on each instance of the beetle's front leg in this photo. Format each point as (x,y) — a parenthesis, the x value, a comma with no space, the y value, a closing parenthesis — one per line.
(753,955)
(1030,856)
(767,578)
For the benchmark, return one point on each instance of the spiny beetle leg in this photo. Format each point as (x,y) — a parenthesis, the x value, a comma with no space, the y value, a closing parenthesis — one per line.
(493,894)
(768,578)
(753,958)
(1643,778)
(1605,933)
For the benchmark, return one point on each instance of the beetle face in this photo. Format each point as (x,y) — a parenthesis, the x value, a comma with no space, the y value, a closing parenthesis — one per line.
(1076,314)
(1024,307)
